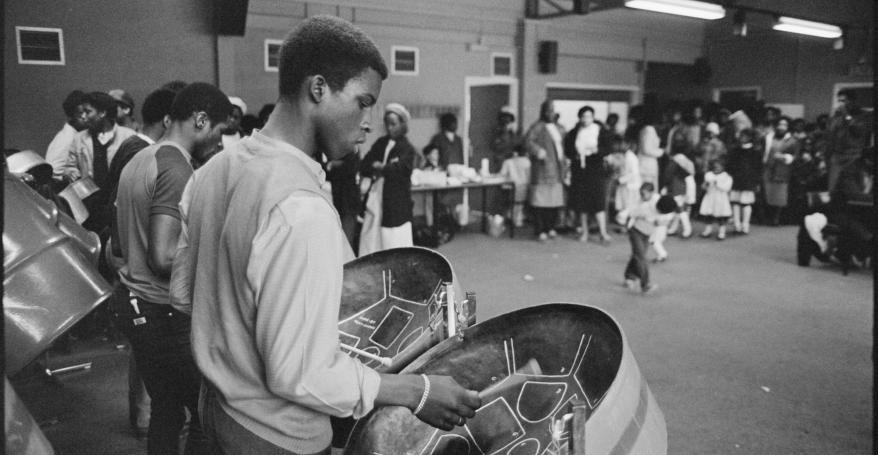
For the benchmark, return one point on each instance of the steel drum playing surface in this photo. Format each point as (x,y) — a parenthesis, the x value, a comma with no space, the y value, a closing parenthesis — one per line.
(582,355)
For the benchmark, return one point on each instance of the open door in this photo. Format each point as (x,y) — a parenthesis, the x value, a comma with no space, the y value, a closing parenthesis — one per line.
(484,98)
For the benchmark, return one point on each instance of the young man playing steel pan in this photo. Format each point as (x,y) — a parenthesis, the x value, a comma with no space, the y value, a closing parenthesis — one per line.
(261,263)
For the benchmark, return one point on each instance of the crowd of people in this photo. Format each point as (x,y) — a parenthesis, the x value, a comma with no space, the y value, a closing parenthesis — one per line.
(226,248)
(687,161)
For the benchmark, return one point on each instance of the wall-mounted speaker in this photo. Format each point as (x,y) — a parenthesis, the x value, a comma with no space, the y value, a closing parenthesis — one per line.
(230,17)
(547,57)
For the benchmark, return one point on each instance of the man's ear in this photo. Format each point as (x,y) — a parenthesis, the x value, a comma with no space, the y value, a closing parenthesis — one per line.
(317,88)
(200,120)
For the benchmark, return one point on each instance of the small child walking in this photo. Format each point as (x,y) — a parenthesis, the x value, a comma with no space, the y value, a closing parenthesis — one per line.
(641,224)
(715,206)
(517,169)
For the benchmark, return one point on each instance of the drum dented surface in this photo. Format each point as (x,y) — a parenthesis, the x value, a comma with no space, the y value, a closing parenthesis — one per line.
(50,274)
(582,355)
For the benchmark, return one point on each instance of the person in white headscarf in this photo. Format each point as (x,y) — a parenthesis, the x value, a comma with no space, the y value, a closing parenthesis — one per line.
(388,166)
(232,134)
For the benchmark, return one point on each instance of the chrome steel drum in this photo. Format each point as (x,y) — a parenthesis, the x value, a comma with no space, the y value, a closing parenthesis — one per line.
(582,355)
(28,161)
(50,273)
(392,306)
(23,435)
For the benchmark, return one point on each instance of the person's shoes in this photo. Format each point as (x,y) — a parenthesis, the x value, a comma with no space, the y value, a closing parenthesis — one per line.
(745,229)
(579,229)
(721,235)
(630,284)
(543,237)
(606,240)
(583,238)
(659,259)
(553,234)
(707,233)
(649,288)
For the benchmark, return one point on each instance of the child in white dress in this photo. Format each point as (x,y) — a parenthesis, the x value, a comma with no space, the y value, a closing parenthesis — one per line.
(628,191)
(716,206)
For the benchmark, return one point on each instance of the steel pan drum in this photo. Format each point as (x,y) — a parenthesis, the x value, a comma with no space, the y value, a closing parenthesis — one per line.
(51,279)
(23,435)
(392,306)
(582,355)
(28,161)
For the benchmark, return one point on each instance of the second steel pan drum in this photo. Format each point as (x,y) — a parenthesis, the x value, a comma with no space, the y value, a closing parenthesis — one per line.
(50,273)
(582,356)
(392,306)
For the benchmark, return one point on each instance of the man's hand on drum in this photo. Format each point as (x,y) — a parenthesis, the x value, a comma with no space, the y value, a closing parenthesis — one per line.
(448,404)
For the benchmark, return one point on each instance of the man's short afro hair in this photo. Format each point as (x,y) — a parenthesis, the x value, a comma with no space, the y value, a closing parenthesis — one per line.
(328,46)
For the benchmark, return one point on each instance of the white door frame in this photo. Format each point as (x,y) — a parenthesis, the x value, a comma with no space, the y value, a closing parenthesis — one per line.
(476,81)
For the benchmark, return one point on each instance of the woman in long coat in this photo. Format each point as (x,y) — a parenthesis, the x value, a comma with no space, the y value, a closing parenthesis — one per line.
(585,146)
(544,146)
(778,169)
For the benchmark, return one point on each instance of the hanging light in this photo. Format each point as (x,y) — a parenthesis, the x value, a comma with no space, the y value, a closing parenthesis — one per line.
(819,29)
(689,8)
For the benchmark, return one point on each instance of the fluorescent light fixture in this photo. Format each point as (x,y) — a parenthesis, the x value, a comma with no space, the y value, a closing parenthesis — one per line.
(690,8)
(789,24)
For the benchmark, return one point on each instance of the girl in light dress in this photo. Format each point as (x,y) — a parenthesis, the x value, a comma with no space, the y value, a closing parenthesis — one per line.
(716,206)
(628,190)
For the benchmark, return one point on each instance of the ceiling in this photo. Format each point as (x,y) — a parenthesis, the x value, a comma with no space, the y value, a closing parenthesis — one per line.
(851,13)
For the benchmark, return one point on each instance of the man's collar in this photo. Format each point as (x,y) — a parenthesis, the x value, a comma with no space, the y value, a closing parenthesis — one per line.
(286,147)
(146,138)
(107,136)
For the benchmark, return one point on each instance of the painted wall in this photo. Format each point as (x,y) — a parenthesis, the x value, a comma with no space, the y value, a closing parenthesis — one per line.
(604,49)
(793,69)
(443,34)
(136,46)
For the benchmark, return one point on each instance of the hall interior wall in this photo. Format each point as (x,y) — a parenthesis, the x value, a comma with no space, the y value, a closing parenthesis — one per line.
(106,48)
(108,44)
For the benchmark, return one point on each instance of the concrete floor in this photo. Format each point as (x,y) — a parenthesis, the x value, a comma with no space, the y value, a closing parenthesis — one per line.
(744,351)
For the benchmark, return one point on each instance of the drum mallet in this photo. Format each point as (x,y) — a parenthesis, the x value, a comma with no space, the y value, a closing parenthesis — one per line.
(386,361)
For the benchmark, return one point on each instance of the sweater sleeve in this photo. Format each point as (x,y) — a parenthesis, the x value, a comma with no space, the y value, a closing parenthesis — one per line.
(296,269)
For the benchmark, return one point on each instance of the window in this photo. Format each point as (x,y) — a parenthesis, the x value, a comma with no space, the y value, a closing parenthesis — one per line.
(735,98)
(272,54)
(404,61)
(501,64)
(40,46)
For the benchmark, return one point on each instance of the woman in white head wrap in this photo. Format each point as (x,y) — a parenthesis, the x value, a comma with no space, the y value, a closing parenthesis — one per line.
(389,163)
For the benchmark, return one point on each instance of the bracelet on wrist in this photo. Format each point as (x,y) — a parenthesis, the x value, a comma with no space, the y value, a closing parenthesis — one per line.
(426,393)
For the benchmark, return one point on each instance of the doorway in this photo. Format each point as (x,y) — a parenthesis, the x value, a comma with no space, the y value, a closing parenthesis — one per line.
(484,98)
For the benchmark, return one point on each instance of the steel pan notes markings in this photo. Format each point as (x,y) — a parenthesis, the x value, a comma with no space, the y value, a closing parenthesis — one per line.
(582,355)
(392,306)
